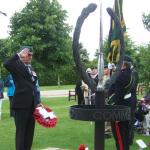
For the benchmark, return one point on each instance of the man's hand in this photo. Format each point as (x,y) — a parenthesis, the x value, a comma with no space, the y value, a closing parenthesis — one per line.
(25,56)
(40,105)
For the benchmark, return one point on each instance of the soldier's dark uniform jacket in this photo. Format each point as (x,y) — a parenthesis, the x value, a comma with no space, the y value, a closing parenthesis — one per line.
(123,92)
(135,79)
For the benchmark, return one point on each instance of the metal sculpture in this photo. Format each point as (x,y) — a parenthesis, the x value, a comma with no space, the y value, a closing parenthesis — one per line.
(99,113)
(3,13)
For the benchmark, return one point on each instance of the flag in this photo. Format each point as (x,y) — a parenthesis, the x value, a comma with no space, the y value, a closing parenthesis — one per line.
(114,39)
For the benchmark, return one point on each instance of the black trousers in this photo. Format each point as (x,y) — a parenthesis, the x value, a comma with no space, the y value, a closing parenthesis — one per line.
(80,99)
(131,127)
(11,111)
(121,134)
(25,125)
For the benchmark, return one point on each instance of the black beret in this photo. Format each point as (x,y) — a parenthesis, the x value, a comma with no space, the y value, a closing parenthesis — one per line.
(105,66)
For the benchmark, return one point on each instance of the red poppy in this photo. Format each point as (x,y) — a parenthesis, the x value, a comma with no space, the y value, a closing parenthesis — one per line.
(49,121)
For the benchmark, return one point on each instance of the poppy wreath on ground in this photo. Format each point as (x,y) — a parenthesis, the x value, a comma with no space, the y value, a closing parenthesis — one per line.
(82,147)
(45,116)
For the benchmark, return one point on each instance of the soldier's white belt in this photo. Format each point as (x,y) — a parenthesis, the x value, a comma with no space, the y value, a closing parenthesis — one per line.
(127,96)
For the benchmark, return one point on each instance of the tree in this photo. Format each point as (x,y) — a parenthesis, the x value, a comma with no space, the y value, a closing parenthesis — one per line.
(4,53)
(41,24)
(3,50)
(84,55)
(144,67)
(105,52)
(146,21)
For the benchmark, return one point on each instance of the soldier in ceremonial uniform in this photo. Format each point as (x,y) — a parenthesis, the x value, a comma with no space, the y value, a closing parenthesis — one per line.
(123,91)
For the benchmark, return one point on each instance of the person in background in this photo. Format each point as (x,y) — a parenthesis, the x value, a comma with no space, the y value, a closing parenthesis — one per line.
(146,115)
(112,68)
(10,91)
(106,78)
(106,81)
(79,92)
(24,100)
(146,98)
(1,95)
(86,90)
(94,75)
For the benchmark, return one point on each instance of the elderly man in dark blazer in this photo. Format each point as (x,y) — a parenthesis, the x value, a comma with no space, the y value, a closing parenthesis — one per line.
(23,102)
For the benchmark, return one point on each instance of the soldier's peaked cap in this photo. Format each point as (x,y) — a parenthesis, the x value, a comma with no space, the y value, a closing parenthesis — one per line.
(127,58)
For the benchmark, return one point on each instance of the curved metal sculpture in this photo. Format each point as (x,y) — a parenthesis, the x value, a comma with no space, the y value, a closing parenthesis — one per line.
(3,13)
(84,14)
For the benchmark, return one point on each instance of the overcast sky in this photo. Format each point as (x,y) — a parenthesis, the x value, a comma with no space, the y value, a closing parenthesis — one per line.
(132,10)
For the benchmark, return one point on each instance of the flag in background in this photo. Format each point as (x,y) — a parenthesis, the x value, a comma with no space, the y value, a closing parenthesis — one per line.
(114,39)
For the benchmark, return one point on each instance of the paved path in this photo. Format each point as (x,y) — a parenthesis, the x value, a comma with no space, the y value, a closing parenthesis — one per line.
(55,93)
(50,93)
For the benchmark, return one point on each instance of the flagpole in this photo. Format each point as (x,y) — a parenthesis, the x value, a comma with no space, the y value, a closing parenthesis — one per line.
(101,57)
(100,96)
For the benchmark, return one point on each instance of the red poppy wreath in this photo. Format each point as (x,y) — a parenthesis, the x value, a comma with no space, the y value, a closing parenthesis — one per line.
(82,147)
(45,116)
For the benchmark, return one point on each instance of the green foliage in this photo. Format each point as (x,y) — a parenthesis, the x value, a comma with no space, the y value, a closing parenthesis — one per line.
(84,55)
(3,50)
(42,24)
(94,62)
(146,21)
(144,67)
(4,53)
(145,55)
(129,46)
(68,75)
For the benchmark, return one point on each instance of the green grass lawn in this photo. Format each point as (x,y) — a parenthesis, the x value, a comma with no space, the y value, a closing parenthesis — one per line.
(68,133)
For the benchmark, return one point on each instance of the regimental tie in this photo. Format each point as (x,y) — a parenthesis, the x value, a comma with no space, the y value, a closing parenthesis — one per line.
(29,69)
